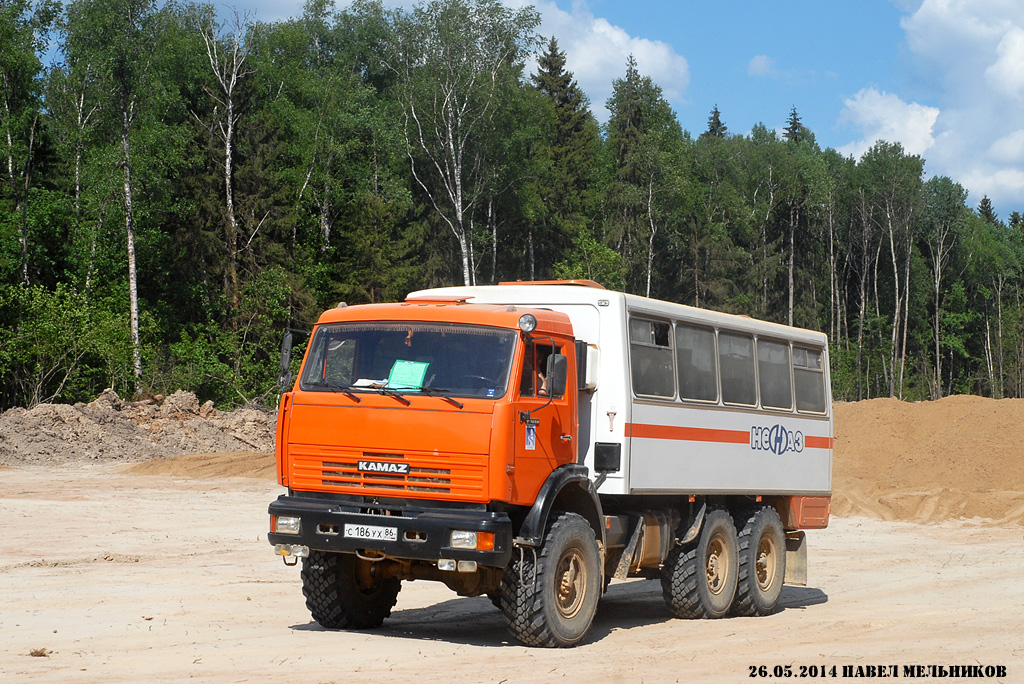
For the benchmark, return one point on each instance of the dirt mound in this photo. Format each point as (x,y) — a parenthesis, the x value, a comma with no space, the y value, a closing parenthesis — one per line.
(959,457)
(109,429)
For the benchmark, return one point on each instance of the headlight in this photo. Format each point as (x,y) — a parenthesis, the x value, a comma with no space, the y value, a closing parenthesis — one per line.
(286,524)
(474,541)
(463,539)
(527,323)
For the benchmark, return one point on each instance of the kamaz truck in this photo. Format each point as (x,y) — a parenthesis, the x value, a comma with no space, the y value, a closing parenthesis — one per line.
(533,441)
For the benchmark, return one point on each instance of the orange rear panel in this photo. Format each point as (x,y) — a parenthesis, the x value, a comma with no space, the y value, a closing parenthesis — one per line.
(804,512)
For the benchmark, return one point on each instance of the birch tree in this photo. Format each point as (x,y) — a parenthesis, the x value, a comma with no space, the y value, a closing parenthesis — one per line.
(897,183)
(945,207)
(452,58)
(22,37)
(119,37)
(227,51)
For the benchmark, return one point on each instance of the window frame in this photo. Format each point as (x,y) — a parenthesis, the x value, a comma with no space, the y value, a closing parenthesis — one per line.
(717,366)
(788,345)
(819,371)
(753,358)
(670,348)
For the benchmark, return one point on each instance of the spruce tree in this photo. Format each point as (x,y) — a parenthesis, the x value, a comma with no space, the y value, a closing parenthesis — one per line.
(574,141)
(795,132)
(716,129)
(566,162)
(986,211)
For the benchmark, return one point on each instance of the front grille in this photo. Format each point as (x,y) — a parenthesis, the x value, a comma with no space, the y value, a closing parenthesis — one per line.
(431,475)
(347,474)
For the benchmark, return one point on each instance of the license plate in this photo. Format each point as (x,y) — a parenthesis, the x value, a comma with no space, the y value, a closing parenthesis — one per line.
(372,532)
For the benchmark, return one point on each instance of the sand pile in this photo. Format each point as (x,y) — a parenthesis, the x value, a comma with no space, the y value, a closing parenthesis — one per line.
(109,429)
(959,457)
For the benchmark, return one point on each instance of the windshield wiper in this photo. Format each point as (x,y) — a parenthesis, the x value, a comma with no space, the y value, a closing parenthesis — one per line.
(443,393)
(391,392)
(344,389)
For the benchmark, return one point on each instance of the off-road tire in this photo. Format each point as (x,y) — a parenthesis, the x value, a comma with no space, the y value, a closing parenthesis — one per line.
(338,599)
(557,609)
(699,580)
(762,562)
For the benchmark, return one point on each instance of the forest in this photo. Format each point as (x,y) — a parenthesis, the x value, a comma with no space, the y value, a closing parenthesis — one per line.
(179,188)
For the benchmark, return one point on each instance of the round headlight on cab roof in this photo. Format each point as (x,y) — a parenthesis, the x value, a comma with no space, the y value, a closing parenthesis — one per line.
(527,323)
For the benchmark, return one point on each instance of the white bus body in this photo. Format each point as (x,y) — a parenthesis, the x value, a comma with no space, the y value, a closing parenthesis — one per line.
(669,443)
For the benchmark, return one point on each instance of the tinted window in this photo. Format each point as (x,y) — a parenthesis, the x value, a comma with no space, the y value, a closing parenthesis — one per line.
(695,363)
(736,360)
(460,360)
(809,379)
(650,357)
(773,374)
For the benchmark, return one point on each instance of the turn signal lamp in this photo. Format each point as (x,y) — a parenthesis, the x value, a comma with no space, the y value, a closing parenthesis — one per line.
(294,550)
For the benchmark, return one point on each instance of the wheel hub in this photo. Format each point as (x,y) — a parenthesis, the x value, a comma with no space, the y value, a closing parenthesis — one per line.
(571,576)
(765,562)
(716,565)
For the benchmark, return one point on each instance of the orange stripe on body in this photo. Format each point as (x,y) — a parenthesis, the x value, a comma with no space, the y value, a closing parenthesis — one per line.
(812,442)
(688,434)
(695,434)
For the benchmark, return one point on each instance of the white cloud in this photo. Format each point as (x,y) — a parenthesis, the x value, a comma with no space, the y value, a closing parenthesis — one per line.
(596,53)
(1007,73)
(761,65)
(1008,149)
(884,116)
(968,57)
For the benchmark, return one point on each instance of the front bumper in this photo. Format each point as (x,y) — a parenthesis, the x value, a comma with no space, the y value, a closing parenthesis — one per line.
(422,534)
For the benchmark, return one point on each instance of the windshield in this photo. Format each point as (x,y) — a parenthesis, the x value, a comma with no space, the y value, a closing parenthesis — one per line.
(441,358)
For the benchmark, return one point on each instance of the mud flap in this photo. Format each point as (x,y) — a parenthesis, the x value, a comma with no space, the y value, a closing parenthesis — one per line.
(796,558)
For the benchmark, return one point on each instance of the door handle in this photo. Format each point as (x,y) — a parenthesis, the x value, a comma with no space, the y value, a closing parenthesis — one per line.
(566,438)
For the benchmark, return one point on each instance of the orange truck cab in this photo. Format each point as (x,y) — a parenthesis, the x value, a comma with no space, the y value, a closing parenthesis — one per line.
(439,439)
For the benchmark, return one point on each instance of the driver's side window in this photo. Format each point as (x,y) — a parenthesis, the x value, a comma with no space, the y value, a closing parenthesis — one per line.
(533,382)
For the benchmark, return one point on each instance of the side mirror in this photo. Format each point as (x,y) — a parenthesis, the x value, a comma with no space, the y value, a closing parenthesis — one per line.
(285,377)
(557,374)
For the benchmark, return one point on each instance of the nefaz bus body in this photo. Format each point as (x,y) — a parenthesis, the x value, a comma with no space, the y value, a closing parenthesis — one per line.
(532,441)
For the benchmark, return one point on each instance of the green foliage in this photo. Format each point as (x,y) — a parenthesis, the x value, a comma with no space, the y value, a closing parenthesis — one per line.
(58,346)
(374,151)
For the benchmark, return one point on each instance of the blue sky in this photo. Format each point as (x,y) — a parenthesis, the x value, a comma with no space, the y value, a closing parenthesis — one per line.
(945,78)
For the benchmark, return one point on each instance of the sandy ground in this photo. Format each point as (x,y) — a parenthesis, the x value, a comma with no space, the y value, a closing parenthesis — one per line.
(111,576)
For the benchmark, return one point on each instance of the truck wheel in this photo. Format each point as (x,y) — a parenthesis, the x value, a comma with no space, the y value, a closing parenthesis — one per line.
(699,579)
(342,591)
(552,603)
(762,563)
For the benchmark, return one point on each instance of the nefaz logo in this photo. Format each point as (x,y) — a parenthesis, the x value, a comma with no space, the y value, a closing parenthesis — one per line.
(776,439)
(383,467)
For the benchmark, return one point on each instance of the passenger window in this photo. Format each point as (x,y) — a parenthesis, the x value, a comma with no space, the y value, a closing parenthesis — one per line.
(736,359)
(809,379)
(695,362)
(650,358)
(773,375)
